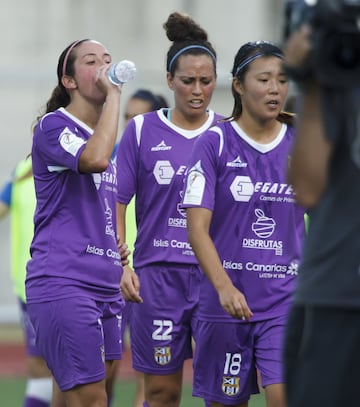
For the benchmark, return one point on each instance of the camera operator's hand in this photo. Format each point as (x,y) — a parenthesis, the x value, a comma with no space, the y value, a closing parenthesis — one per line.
(308,172)
(297,61)
(297,47)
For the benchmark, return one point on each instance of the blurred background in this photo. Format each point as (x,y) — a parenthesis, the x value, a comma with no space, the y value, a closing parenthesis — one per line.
(35,32)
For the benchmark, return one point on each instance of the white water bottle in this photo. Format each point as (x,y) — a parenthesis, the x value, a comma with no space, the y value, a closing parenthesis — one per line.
(121,72)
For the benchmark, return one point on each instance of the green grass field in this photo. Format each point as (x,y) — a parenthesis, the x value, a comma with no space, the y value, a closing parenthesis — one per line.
(12,391)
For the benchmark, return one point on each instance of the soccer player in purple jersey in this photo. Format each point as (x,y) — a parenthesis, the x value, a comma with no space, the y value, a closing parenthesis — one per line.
(73,276)
(247,232)
(141,101)
(152,160)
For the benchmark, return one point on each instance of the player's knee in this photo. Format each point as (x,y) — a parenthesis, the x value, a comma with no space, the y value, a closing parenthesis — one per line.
(164,396)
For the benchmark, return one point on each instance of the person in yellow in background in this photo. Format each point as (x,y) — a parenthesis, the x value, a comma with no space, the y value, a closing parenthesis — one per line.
(141,101)
(17,198)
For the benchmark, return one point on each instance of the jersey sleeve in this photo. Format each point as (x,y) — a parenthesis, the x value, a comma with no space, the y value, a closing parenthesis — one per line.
(200,182)
(59,143)
(127,160)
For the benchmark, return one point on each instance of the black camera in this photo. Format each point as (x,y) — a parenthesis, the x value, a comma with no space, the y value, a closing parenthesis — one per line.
(335,24)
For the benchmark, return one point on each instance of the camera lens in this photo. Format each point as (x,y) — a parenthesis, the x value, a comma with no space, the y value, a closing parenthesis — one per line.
(346,51)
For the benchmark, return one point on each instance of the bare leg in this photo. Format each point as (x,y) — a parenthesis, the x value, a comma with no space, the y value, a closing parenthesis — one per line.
(58,399)
(87,395)
(139,390)
(39,383)
(275,395)
(164,390)
(111,372)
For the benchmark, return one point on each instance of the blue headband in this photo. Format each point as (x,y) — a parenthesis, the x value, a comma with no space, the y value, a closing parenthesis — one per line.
(187,48)
(255,56)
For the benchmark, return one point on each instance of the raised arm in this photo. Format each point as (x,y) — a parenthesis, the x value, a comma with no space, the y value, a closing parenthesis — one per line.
(312,149)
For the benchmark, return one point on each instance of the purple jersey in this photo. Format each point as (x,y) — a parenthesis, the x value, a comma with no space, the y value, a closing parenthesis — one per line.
(74,247)
(152,159)
(256,226)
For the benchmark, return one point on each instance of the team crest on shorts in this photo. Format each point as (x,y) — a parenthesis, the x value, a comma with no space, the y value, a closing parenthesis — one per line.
(231,385)
(162,355)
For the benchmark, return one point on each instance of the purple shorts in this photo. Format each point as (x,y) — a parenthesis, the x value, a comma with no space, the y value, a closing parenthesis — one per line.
(161,327)
(228,356)
(29,333)
(125,321)
(75,336)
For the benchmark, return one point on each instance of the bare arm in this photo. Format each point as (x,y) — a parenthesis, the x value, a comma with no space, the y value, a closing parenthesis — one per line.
(231,299)
(310,157)
(312,150)
(130,284)
(98,150)
(4,209)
